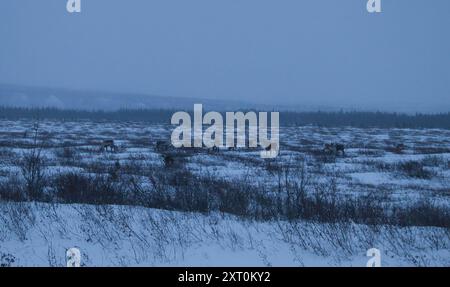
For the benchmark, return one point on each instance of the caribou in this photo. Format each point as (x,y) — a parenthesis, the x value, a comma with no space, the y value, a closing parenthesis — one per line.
(108,145)
(334,148)
(399,148)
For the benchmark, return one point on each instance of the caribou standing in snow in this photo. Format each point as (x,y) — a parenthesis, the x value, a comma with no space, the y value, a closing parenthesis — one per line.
(334,148)
(108,145)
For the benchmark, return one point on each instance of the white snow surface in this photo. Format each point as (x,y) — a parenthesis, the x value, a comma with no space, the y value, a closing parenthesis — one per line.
(37,234)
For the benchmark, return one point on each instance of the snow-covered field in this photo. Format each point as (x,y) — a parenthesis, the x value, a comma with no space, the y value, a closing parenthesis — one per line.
(40,234)
(136,234)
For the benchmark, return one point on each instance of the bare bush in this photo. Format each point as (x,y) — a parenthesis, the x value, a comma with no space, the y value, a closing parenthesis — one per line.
(32,166)
(12,189)
(67,155)
(414,169)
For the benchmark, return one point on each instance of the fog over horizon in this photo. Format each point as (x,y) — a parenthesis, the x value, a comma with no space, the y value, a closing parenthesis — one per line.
(308,54)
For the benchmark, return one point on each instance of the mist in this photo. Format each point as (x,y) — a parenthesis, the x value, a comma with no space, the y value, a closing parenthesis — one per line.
(290,53)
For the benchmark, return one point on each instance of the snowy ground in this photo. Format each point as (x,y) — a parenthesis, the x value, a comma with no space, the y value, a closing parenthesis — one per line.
(39,234)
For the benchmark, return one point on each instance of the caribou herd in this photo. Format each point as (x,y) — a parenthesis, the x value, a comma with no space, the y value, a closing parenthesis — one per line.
(171,155)
(165,147)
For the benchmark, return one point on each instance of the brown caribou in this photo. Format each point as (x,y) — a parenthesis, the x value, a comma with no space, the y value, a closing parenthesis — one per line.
(334,148)
(108,145)
(399,148)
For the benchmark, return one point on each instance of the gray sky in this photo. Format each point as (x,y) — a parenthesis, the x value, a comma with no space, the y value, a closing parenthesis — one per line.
(282,52)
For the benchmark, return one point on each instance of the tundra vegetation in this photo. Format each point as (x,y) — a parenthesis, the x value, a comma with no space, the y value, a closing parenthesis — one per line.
(143,202)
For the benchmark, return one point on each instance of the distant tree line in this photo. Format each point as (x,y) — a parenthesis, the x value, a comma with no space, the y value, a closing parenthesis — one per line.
(287,118)
(367,119)
(152,116)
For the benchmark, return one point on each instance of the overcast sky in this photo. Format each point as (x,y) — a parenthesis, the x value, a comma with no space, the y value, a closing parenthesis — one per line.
(286,52)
